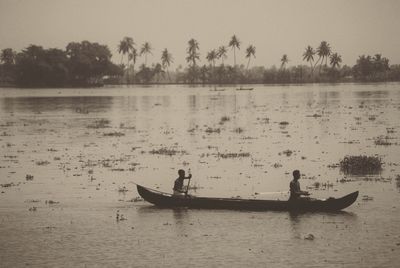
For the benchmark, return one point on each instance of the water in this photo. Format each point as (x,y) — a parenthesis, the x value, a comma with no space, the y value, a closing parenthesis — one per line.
(83,146)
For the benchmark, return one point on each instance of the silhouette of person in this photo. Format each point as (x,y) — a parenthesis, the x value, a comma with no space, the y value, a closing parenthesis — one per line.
(178,185)
(295,191)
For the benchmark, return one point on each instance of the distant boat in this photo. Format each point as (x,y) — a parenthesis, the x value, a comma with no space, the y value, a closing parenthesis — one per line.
(245,88)
(161,199)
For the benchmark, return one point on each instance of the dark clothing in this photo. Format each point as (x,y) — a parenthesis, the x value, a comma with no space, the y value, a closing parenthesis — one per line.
(294,190)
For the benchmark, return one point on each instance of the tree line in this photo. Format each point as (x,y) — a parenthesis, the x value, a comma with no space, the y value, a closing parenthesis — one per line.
(87,63)
(80,64)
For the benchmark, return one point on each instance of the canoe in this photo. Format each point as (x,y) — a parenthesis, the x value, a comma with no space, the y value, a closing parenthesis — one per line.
(166,200)
(244,88)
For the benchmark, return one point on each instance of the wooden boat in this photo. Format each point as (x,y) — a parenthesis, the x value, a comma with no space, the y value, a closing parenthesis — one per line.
(245,88)
(161,199)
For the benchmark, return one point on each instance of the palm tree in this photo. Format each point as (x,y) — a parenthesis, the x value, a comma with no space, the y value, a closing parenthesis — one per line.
(336,59)
(158,70)
(125,45)
(309,57)
(221,54)
(284,61)
(250,51)
(234,43)
(323,51)
(133,57)
(211,56)
(192,51)
(166,60)
(146,49)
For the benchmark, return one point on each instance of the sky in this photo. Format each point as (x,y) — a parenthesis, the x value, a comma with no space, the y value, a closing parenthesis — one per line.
(274,27)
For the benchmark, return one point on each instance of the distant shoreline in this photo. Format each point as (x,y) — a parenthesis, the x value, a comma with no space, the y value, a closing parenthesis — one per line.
(110,86)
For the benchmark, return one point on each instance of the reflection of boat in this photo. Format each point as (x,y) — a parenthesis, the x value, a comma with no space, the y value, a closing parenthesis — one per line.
(167,200)
(245,88)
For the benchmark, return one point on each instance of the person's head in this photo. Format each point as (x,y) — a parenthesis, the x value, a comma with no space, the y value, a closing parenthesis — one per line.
(181,173)
(296,174)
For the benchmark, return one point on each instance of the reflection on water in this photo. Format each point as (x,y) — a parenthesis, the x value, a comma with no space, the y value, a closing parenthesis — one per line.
(82,150)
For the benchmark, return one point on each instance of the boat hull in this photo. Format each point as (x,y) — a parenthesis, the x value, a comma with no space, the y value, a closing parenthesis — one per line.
(167,200)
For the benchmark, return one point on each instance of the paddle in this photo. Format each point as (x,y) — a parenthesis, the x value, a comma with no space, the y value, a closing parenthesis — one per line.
(187,189)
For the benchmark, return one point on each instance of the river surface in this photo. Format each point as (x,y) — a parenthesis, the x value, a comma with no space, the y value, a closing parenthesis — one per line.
(69,159)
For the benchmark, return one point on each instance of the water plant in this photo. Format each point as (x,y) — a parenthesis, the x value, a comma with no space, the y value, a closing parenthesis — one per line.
(361,165)
(165,151)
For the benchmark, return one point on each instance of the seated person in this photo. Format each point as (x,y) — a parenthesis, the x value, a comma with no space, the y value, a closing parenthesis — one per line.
(178,185)
(295,192)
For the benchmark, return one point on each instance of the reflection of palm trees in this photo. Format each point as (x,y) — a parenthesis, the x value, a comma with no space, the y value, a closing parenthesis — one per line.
(309,57)
(250,51)
(222,53)
(234,43)
(284,61)
(166,60)
(336,59)
(146,49)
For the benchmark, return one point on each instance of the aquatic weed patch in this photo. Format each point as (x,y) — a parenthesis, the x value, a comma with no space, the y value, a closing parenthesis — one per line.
(166,151)
(114,134)
(233,155)
(102,123)
(361,165)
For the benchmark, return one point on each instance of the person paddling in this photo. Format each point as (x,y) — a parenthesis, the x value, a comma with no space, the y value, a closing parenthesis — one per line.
(178,185)
(295,192)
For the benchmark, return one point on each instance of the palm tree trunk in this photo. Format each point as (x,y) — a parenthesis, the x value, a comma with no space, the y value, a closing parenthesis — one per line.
(248,63)
(127,72)
(169,77)
(133,76)
(234,57)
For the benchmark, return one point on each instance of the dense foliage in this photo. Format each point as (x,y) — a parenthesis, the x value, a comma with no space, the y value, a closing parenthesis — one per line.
(81,64)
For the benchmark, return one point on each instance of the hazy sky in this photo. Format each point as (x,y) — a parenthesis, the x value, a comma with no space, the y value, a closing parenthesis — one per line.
(352,27)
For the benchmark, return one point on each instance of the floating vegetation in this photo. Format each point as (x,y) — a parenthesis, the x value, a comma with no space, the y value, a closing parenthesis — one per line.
(165,151)
(264,120)
(122,190)
(224,119)
(29,177)
(309,237)
(314,115)
(283,123)
(361,165)
(102,123)
(114,134)
(287,152)
(277,165)
(6,185)
(42,163)
(210,130)
(367,198)
(233,155)
(33,209)
(383,140)
(238,130)
(321,186)
(122,126)
(51,202)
